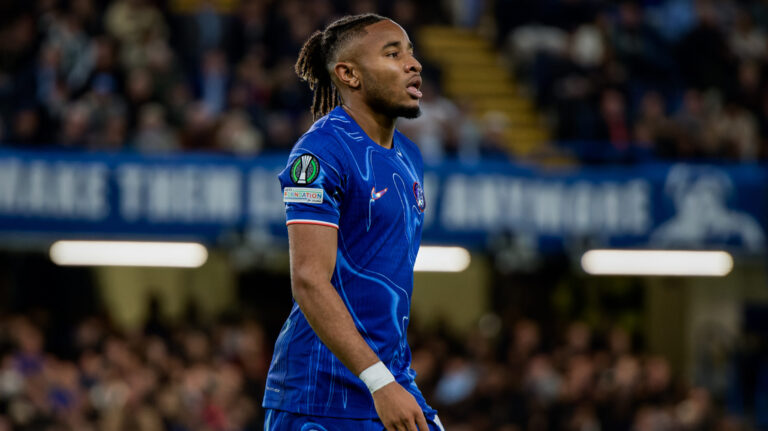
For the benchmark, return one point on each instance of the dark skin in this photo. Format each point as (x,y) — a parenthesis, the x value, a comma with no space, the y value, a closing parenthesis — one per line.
(378,69)
(378,78)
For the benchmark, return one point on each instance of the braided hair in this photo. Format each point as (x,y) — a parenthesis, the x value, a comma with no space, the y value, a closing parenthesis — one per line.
(321,48)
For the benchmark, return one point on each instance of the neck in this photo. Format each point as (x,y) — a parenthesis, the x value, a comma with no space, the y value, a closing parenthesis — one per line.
(380,128)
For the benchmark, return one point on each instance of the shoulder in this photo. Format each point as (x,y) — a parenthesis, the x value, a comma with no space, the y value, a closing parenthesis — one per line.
(317,140)
(413,151)
(320,141)
(324,146)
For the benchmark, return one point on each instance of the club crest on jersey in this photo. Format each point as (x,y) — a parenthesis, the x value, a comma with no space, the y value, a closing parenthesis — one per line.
(305,169)
(418,193)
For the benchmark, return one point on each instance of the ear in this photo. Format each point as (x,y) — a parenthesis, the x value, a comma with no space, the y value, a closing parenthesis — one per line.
(347,74)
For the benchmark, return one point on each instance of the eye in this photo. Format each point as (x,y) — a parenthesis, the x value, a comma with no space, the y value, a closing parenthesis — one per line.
(393,54)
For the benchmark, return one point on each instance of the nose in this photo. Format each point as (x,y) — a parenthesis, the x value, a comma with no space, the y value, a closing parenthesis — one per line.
(413,65)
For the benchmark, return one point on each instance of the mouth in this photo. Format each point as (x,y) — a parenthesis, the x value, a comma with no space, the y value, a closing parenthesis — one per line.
(413,87)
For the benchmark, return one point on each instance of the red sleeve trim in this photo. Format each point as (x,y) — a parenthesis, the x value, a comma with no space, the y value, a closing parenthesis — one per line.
(321,223)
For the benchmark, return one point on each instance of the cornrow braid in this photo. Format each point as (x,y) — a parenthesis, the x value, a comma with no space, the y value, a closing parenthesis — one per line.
(319,50)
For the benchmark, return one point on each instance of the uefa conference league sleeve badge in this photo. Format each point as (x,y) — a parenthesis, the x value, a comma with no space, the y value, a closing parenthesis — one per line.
(304,171)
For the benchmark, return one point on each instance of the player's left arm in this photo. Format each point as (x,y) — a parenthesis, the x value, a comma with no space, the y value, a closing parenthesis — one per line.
(313,259)
(312,249)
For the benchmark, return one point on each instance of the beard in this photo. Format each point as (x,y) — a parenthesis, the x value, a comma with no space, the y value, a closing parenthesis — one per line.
(380,100)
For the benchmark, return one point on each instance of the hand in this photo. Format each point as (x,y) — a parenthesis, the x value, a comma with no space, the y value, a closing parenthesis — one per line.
(398,409)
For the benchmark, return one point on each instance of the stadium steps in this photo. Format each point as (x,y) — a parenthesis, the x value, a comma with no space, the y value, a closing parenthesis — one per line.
(472,72)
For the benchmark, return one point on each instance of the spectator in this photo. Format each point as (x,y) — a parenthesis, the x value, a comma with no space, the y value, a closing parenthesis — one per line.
(136,25)
(25,128)
(65,33)
(213,82)
(47,79)
(613,125)
(280,131)
(103,58)
(103,102)
(734,134)
(672,18)
(464,138)
(154,135)
(652,127)
(237,136)
(689,123)
(199,128)
(493,141)
(163,67)
(640,50)
(588,46)
(74,132)
(88,14)
(703,52)
(139,90)
(250,27)
(438,120)
(746,41)
(748,91)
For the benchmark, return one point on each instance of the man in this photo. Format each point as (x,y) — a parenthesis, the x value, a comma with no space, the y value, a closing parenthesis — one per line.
(354,210)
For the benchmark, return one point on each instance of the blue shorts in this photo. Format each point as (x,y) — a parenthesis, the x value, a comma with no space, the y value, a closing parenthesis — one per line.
(278,420)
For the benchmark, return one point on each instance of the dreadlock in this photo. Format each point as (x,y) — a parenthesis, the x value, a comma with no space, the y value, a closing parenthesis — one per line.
(312,64)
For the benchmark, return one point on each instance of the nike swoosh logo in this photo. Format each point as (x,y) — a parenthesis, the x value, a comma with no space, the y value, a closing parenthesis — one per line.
(375,195)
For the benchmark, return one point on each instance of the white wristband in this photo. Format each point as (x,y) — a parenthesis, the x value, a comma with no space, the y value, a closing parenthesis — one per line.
(376,376)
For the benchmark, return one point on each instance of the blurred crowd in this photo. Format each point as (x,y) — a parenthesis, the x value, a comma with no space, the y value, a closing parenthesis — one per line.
(510,378)
(502,377)
(628,80)
(160,76)
(161,379)
(681,79)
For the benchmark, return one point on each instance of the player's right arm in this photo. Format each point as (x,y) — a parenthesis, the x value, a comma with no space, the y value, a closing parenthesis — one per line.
(312,249)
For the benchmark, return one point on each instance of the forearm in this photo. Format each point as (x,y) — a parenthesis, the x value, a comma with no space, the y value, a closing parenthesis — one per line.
(330,319)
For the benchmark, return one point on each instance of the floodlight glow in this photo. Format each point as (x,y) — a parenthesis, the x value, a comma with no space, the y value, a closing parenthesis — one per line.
(128,253)
(442,259)
(657,262)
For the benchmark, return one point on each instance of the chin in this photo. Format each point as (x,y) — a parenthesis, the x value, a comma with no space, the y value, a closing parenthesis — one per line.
(406,111)
(395,109)
(410,112)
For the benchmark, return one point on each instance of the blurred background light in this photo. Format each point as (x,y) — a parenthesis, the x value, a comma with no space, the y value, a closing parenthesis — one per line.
(129,253)
(657,262)
(442,259)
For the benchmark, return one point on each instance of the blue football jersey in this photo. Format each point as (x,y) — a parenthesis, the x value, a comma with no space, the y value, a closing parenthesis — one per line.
(337,176)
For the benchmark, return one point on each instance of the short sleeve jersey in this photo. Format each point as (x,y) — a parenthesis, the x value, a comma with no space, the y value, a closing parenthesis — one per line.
(337,176)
